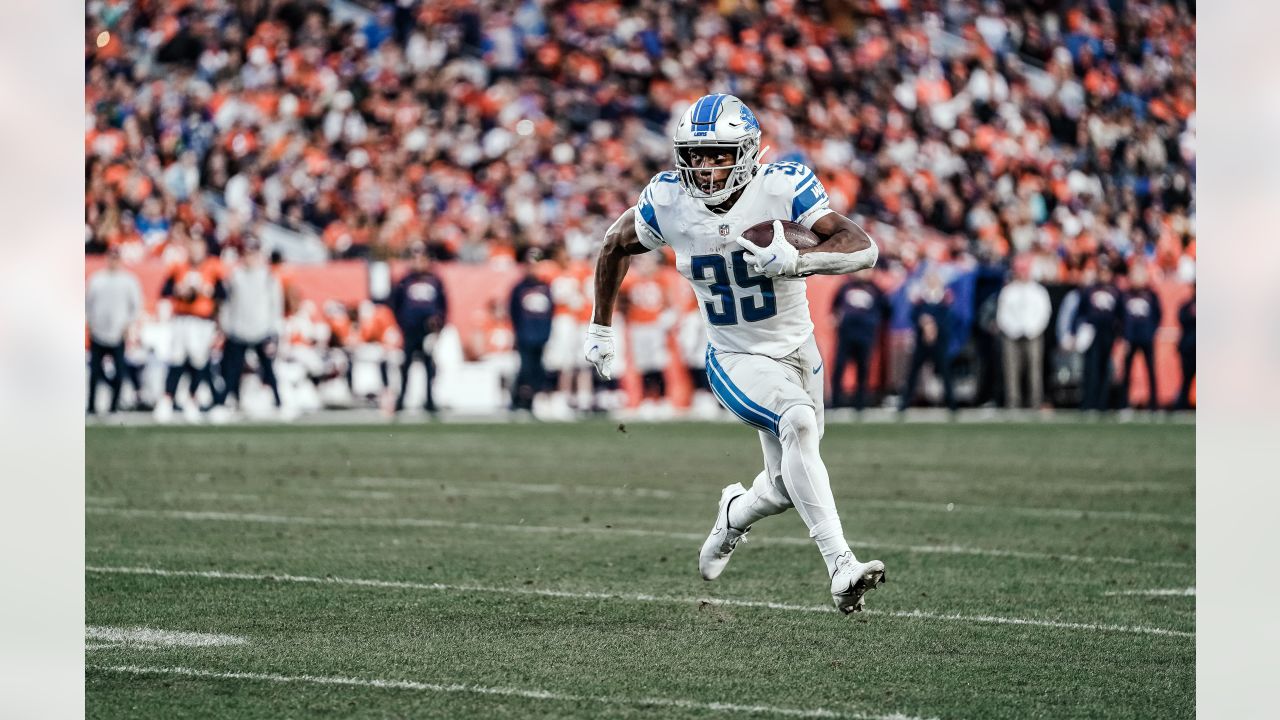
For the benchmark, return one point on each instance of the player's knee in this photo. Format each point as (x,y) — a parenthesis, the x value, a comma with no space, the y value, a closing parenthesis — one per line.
(776,499)
(800,422)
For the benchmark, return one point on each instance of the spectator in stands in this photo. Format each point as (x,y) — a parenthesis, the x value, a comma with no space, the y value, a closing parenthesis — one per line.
(858,308)
(195,286)
(931,318)
(1022,314)
(1187,351)
(1100,315)
(253,319)
(530,309)
(113,301)
(443,128)
(1141,322)
(421,309)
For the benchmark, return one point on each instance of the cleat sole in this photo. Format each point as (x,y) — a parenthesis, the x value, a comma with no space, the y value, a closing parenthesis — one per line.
(854,601)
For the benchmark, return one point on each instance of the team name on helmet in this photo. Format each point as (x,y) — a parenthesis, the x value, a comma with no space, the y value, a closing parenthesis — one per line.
(718,122)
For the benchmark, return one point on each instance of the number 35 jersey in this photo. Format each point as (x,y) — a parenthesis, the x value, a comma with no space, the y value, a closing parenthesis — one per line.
(744,310)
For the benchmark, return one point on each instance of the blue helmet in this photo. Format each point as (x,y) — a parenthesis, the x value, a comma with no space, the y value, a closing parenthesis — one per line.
(717,121)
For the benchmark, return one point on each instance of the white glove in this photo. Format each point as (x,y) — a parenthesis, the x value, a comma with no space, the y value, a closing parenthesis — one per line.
(780,258)
(599,349)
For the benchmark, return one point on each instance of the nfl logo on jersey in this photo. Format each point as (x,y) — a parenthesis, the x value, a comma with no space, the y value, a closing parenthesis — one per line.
(724,231)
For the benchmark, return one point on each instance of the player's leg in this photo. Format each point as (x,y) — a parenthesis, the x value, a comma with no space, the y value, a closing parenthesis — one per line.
(844,353)
(117,373)
(412,348)
(767,495)
(1012,373)
(200,336)
(942,364)
(1035,370)
(429,362)
(1149,357)
(1188,357)
(1129,355)
(233,355)
(918,356)
(741,507)
(862,360)
(178,361)
(800,427)
(267,370)
(97,375)
(784,398)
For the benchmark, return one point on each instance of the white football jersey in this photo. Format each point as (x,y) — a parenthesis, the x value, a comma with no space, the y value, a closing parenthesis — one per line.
(745,311)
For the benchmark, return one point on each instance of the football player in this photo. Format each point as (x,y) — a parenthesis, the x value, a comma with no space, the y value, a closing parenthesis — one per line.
(762,360)
(195,287)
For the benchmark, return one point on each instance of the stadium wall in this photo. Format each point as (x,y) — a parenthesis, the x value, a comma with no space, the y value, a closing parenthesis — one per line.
(471,287)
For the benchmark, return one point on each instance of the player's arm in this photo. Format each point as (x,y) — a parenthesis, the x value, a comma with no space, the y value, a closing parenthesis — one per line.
(621,241)
(842,248)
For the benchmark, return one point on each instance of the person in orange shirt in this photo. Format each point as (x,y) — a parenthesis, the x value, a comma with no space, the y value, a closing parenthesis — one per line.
(195,288)
(570,295)
(376,339)
(645,301)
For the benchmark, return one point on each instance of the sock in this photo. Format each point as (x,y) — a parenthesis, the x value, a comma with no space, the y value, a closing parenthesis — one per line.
(808,484)
(761,500)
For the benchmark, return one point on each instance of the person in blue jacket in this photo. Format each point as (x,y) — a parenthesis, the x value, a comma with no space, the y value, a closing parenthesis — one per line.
(858,307)
(421,309)
(530,310)
(1141,321)
(1102,310)
(931,315)
(1187,351)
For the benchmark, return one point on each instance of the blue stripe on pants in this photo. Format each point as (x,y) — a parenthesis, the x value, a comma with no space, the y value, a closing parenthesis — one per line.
(732,397)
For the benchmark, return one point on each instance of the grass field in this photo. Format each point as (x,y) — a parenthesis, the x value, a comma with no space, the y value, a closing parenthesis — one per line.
(543,571)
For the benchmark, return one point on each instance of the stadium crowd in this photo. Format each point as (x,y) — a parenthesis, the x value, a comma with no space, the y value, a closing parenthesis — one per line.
(965,135)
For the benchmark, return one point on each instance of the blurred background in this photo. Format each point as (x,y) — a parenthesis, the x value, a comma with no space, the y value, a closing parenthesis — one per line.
(296,207)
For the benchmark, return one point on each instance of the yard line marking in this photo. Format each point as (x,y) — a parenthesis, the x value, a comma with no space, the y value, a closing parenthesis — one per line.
(211,515)
(488,487)
(484,487)
(1164,592)
(1065,513)
(528,693)
(630,597)
(102,500)
(151,637)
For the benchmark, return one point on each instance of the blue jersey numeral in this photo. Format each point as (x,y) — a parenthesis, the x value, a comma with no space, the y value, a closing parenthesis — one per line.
(753,309)
(698,266)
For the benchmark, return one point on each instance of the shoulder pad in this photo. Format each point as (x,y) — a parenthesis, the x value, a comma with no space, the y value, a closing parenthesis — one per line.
(663,189)
(785,178)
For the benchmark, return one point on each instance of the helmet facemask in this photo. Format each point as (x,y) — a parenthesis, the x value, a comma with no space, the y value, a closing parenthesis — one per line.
(746,156)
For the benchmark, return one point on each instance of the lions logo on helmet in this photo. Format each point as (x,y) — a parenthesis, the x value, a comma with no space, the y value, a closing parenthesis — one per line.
(721,122)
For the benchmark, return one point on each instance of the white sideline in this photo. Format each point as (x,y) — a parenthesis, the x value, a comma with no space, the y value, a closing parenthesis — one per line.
(507,488)
(153,637)
(630,597)
(1176,592)
(1064,513)
(213,515)
(486,487)
(527,693)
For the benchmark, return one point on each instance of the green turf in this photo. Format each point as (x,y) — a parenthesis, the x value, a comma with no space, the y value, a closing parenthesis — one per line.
(589,509)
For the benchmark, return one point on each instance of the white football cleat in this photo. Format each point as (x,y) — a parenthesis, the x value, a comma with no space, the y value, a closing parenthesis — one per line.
(852,580)
(720,543)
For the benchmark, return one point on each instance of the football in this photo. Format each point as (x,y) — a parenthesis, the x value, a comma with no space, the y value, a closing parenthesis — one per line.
(800,237)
